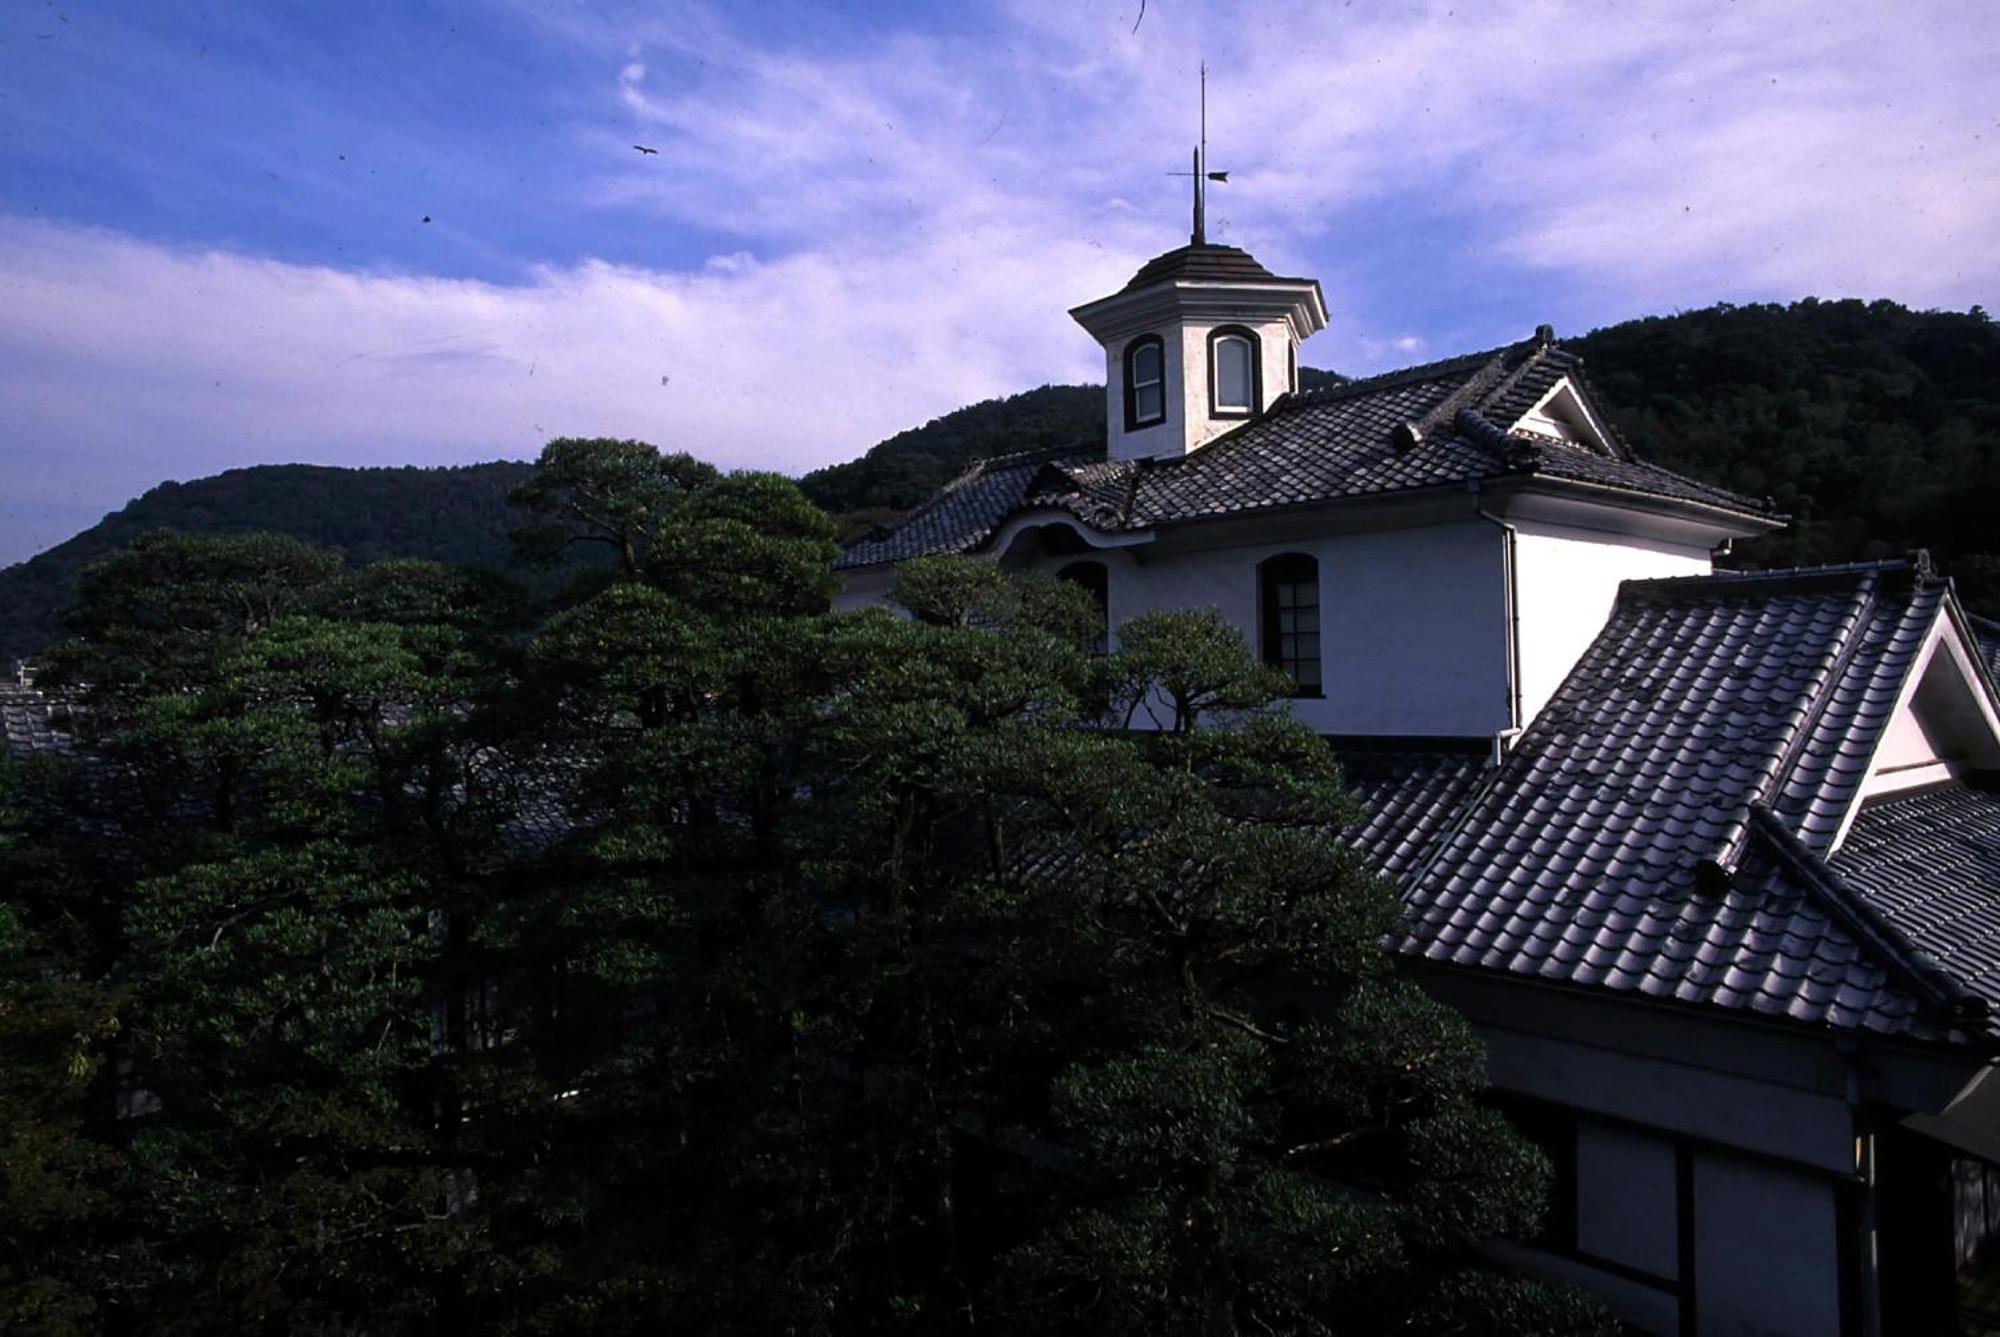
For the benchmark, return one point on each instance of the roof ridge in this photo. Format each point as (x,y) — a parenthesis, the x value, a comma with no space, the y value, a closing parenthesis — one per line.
(972,470)
(1511,452)
(1921,971)
(1478,387)
(1537,351)
(1386,380)
(1832,667)
(1032,455)
(1784,575)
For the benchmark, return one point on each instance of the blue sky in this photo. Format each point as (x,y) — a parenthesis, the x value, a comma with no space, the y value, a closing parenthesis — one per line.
(213,246)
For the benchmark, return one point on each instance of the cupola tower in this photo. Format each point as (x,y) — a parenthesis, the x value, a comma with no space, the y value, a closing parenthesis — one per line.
(1201,339)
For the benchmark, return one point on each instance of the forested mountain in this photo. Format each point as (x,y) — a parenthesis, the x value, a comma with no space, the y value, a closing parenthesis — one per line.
(1875,427)
(898,473)
(456,515)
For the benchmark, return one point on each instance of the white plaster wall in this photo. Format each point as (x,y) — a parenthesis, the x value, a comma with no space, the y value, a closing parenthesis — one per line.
(1273,340)
(1767,1250)
(1567,582)
(1412,632)
(1188,423)
(1162,438)
(1906,743)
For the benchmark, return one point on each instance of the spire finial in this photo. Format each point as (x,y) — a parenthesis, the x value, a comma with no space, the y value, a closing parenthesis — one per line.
(1201,176)
(1200,162)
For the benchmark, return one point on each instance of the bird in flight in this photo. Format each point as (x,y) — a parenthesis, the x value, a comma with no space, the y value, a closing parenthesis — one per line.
(643,149)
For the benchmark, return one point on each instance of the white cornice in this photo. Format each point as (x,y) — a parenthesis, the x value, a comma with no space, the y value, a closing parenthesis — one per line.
(1298,301)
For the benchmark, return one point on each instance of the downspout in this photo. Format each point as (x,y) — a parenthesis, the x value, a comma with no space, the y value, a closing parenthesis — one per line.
(1868,1290)
(1510,580)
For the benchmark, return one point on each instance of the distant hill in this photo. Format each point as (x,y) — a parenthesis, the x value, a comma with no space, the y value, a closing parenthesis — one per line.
(1876,427)
(898,473)
(456,515)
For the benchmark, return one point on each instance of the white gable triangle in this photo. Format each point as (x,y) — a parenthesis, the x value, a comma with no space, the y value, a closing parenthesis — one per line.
(1563,414)
(1946,722)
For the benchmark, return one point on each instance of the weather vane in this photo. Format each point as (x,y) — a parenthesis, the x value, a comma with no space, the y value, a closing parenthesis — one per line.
(1200,174)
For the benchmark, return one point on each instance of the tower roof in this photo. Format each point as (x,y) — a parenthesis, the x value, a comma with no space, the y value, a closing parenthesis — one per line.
(1205,263)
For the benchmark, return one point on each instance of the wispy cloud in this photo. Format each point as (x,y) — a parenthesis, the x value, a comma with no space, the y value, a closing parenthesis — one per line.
(128,362)
(852,225)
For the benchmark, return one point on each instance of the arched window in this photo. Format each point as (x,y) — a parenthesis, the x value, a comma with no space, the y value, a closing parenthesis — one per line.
(1233,372)
(1094,577)
(1288,598)
(1145,382)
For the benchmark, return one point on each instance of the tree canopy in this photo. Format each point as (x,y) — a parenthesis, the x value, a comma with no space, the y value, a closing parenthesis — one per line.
(715,961)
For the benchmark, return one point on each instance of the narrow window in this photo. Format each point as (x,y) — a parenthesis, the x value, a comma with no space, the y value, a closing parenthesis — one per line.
(1289,598)
(1094,577)
(1292,367)
(1145,382)
(1232,372)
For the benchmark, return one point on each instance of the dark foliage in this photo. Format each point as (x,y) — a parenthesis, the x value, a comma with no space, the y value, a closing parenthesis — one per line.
(458,516)
(1876,428)
(721,964)
(909,466)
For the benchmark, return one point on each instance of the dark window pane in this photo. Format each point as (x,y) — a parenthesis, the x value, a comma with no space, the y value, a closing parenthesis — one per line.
(1289,596)
(1147,364)
(1149,402)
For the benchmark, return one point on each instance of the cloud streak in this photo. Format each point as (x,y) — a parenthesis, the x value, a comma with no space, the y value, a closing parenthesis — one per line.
(131,362)
(850,229)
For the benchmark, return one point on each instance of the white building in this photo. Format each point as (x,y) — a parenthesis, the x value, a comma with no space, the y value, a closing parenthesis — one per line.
(1711,859)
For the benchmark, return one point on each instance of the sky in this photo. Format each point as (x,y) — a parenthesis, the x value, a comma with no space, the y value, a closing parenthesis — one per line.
(395,232)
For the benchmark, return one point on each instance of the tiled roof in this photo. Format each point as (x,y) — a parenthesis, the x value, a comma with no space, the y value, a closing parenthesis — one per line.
(1408,792)
(26,719)
(1987,633)
(1209,262)
(1930,862)
(1441,424)
(1657,829)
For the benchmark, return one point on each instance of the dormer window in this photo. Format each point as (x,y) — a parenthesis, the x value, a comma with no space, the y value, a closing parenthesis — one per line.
(1233,373)
(1145,382)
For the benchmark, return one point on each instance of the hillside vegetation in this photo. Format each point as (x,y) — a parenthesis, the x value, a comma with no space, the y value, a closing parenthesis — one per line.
(454,515)
(1875,427)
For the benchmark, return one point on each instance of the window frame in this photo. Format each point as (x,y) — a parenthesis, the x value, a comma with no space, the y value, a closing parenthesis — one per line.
(1133,421)
(1216,338)
(1287,569)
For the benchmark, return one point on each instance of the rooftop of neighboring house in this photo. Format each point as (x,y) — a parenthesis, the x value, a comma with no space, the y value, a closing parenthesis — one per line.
(1717,809)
